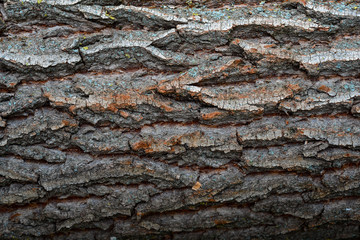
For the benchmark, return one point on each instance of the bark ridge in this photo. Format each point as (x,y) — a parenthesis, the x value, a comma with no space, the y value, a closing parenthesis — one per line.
(179,119)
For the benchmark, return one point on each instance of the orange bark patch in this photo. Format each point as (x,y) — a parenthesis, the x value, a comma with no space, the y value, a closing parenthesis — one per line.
(342,134)
(128,162)
(294,87)
(141,145)
(252,71)
(324,28)
(253,50)
(167,108)
(270,45)
(105,149)
(246,67)
(113,107)
(97,107)
(60,104)
(324,88)
(197,186)
(300,131)
(66,123)
(212,115)
(150,171)
(236,41)
(221,222)
(72,108)
(48,95)
(124,114)
(162,89)
(116,102)
(122,98)
(173,141)
(14,216)
(237,62)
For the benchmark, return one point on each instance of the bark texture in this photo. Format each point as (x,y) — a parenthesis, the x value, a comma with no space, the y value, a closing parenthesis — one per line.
(179,119)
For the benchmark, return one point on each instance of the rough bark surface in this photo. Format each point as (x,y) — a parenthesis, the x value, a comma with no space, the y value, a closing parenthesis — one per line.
(179,119)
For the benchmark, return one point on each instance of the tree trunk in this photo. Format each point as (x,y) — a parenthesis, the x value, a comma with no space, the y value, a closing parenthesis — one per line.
(179,119)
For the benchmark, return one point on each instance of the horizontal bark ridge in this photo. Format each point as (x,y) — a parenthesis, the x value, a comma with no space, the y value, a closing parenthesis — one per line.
(179,119)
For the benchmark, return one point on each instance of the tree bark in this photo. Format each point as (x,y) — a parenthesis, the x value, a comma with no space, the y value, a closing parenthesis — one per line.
(179,119)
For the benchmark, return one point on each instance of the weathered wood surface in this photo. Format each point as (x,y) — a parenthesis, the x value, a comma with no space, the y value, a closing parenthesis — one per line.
(179,119)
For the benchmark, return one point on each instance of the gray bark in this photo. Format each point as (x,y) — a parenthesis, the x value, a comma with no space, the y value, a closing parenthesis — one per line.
(179,119)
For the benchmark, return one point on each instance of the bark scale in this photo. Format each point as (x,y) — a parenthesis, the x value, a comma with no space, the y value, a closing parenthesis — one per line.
(179,119)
